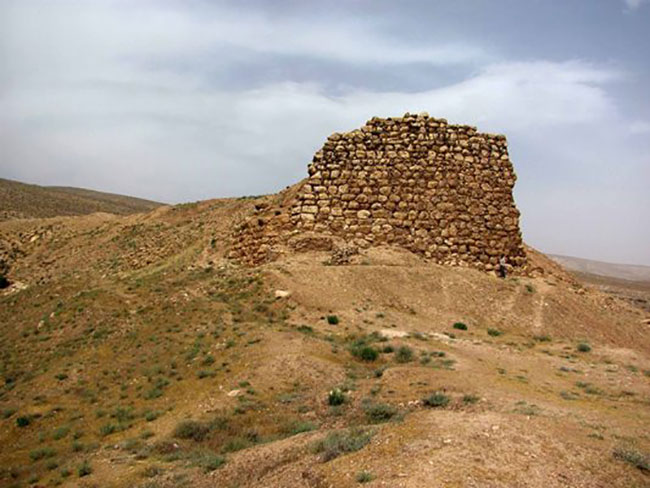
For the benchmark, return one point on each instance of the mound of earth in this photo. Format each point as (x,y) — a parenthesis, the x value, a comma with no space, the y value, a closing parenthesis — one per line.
(136,353)
(23,201)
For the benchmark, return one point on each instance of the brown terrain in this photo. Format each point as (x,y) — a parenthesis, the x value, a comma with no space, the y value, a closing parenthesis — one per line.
(23,201)
(628,282)
(135,351)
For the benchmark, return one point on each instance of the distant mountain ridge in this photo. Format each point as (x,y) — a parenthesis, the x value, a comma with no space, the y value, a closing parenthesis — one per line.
(22,201)
(628,272)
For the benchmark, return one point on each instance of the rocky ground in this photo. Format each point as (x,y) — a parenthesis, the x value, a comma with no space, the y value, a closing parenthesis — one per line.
(134,353)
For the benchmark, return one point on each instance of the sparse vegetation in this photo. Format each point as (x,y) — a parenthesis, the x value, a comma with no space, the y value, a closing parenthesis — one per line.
(335,397)
(332,319)
(60,433)
(299,427)
(158,359)
(192,429)
(305,329)
(470,399)
(542,338)
(584,347)
(23,421)
(460,326)
(380,412)
(41,453)
(633,457)
(207,460)
(84,469)
(343,442)
(436,400)
(364,477)
(365,353)
(404,354)
(151,471)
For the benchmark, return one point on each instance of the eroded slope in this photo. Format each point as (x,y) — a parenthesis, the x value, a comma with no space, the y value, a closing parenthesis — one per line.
(135,354)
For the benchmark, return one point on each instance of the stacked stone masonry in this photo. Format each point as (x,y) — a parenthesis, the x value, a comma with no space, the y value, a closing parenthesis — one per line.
(442,191)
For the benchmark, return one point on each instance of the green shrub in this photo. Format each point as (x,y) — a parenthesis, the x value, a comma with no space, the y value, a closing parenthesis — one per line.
(336,397)
(60,433)
(332,320)
(8,412)
(365,353)
(150,415)
(191,429)
(41,453)
(460,326)
(404,354)
(436,400)
(299,427)
(388,349)
(236,444)
(207,460)
(122,414)
(343,442)
(469,399)
(364,477)
(380,412)
(584,347)
(494,332)
(635,458)
(108,429)
(23,421)
(84,469)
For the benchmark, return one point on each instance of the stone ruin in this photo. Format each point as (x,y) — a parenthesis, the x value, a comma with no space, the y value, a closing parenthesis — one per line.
(442,191)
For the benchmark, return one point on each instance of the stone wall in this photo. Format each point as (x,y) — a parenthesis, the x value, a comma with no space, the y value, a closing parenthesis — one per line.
(443,191)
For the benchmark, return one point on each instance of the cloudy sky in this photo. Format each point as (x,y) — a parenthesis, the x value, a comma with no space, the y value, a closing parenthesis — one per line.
(182,100)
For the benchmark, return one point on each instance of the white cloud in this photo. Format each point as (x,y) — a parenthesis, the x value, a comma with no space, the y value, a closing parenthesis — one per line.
(76,39)
(81,105)
(634,4)
(639,127)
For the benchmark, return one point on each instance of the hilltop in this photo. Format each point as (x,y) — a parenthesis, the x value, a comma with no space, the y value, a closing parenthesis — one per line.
(156,350)
(23,201)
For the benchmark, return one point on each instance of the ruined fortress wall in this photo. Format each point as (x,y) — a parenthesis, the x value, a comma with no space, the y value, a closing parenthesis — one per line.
(440,190)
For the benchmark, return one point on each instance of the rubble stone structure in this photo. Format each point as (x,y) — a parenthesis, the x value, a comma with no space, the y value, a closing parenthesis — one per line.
(442,191)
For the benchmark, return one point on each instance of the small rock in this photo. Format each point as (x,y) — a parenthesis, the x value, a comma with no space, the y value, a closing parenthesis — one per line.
(282,294)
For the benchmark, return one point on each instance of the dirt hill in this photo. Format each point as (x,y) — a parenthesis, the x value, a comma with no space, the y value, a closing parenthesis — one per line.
(135,353)
(627,272)
(21,201)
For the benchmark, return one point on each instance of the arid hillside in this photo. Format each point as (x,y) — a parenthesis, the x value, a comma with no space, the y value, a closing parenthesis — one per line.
(22,201)
(627,272)
(135,353)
